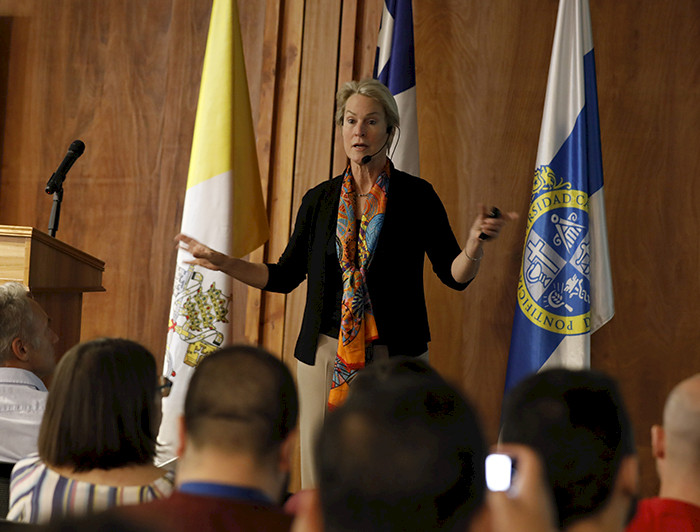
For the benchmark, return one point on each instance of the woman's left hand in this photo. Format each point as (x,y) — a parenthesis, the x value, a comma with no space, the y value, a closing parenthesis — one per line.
(466,264)
(488,225)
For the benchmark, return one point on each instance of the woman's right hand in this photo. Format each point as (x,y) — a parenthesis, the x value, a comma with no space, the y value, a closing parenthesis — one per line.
(203,255)
(253,274)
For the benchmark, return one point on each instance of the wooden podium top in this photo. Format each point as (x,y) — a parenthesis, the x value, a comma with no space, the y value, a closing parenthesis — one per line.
(45,264)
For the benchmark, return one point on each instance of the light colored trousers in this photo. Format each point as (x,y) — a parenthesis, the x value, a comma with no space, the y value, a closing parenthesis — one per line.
(314,384)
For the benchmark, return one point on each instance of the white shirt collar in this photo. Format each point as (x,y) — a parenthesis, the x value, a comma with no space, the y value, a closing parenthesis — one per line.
(22,377)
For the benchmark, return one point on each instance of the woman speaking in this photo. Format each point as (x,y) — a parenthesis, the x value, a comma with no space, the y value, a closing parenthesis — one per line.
(360,239)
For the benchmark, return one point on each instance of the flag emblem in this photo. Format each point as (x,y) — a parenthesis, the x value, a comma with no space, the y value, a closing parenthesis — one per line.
(554,284)
(195,313)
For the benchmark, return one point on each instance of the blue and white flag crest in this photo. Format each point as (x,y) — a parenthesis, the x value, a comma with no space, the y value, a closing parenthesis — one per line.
(395,66)
(565,288)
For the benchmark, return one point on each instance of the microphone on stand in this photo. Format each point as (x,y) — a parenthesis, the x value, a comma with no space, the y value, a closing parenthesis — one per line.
(55,183)
(75,150)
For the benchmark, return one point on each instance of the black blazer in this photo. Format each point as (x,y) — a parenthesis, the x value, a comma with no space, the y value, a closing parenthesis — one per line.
(415,224)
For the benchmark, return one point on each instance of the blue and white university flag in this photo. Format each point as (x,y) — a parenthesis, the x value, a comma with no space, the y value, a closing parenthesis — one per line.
(395,66)
(565,288)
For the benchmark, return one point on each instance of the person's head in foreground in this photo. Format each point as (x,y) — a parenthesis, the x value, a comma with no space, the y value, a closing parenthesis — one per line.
(103,410)
(676,444)
(578,423)
(241,411)
(26,338)
(405,452)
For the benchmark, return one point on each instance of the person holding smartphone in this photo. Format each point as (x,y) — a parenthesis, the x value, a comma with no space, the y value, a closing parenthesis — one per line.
(406,453)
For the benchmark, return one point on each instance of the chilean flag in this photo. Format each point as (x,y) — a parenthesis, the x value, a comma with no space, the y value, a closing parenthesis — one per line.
(395,66)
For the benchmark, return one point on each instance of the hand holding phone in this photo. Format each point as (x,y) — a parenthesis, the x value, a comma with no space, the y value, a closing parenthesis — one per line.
(499,472)
(528,506)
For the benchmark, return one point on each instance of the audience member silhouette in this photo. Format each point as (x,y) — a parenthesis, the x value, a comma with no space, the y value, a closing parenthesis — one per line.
(26,356)
(406,453)
(676,448)
(578,423)
(238,433)
(98,436)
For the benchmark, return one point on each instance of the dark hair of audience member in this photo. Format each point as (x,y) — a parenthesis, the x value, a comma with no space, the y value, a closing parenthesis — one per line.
(578,423)
(101,412)
(241,397)
(405,452)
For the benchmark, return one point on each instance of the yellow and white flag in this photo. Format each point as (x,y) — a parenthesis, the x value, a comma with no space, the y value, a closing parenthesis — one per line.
(223,208)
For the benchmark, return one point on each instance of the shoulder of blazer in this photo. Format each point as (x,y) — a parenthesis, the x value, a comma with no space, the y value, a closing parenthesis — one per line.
(402,183)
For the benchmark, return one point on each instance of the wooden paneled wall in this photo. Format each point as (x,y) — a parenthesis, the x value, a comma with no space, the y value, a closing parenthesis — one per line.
(123,75)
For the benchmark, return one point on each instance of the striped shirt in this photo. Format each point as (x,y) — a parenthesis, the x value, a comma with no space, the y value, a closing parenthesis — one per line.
(39,494)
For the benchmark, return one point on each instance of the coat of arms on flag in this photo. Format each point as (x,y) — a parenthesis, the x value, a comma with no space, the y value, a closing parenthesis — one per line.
(194,313)
(554,285)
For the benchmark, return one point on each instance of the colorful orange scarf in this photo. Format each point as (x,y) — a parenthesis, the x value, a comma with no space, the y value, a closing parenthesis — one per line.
(355,251)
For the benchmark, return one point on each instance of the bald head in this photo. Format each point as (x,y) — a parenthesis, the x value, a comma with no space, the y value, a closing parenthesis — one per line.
(682,422)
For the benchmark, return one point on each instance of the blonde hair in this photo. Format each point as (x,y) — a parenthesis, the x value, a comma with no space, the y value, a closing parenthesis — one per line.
(371,88)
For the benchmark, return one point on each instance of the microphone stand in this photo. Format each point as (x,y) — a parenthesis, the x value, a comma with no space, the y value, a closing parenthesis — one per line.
(56,210)
(55,184)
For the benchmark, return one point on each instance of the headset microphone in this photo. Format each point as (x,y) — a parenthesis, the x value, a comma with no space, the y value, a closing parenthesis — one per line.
(367,158)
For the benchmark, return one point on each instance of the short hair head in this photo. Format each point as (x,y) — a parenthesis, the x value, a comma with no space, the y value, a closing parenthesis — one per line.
(370,88)
(406,454)
(16,318)
(682,423)
(578,423)
(241,398)
(101,409)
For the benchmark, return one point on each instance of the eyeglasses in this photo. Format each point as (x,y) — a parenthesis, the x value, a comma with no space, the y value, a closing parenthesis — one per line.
(164,386)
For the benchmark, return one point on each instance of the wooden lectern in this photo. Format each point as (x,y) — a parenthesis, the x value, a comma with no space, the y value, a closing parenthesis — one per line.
(56,273)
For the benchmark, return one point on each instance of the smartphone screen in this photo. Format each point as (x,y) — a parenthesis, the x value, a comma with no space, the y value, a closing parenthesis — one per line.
(499,471)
